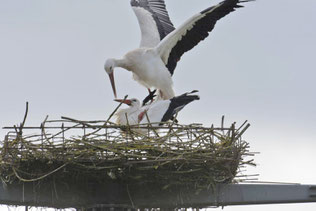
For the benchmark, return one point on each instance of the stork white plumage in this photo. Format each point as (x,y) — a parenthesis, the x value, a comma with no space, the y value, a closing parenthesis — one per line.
(162,45)
(157,112)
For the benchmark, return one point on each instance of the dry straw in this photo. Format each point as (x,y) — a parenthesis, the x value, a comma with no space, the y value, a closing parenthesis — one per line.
(173,154)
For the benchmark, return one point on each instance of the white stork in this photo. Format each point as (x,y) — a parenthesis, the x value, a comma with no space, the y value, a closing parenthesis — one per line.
(162,45)
(157,112)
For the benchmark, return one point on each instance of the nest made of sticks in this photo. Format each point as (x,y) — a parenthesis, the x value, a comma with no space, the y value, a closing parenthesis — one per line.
(173,154)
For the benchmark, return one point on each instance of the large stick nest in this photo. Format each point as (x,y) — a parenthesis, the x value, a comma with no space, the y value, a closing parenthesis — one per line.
(70,150)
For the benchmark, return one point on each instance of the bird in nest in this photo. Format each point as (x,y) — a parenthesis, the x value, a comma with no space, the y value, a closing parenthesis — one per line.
(155,113)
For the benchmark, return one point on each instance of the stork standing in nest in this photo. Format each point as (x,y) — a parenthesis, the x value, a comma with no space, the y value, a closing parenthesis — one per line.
(155,113)
(162,46)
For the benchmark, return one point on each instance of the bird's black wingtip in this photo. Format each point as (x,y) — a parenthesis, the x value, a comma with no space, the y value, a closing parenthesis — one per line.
(228,3)
(194,91)
(241,2)
(134,3)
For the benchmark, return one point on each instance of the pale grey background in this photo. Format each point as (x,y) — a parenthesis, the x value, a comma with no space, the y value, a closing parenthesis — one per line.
(258,64)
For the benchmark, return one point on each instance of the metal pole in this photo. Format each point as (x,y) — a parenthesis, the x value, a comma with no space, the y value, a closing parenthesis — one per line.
(116,196)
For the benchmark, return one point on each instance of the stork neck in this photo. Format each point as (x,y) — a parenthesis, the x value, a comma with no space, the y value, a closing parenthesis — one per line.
(121,63)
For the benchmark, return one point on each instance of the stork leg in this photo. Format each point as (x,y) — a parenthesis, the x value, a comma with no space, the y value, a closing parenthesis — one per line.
(150,97)
(141,116)
(174,119)
(161,94)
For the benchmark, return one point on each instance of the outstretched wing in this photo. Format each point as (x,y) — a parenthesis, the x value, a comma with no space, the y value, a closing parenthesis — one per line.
(178,103)
(153,20)
(194,30)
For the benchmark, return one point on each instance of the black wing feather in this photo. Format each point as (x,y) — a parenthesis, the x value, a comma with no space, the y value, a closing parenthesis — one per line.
(177,103)
(200,30)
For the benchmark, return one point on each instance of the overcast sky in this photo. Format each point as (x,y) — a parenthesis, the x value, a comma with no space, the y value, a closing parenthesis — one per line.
(258,64)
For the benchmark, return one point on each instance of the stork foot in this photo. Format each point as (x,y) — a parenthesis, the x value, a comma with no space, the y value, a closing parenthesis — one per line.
(150,97)
(174,119)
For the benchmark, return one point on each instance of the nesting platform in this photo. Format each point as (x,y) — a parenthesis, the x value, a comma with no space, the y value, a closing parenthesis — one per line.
(72,154)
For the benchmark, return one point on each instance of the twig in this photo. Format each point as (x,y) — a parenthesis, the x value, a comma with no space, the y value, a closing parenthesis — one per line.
(242,132)
(39,178)
(151,127)
(126,96)
(24,119)
(106,122)
(129,196)
(78,121)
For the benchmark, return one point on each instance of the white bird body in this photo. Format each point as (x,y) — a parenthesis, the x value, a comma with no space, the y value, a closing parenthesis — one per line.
(162,45)
(149,70)
(154,113)
(128,116)
(135,114)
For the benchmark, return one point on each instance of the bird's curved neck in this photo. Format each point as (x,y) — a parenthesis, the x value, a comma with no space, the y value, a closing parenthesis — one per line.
(121,63)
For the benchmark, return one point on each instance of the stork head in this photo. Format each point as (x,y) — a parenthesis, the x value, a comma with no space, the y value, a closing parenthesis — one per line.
(130,102)
(109,69)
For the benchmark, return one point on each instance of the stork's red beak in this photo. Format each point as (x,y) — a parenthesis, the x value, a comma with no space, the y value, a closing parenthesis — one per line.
(111,76)
(127,102)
